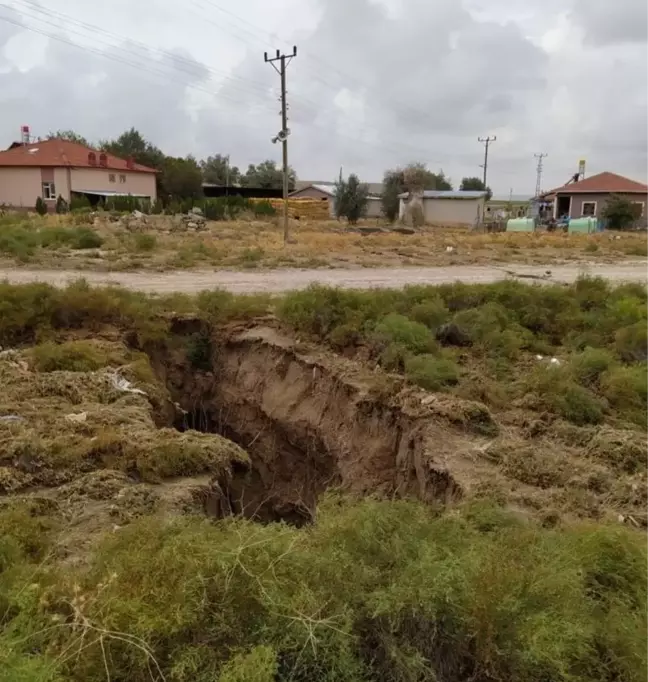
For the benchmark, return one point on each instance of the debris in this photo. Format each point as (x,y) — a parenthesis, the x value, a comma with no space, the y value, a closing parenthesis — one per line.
(555,361)
(11,418)
(77,418)
(196,210)
(404,229)
(450,249)
(539,357)
(137,214)
(124,385)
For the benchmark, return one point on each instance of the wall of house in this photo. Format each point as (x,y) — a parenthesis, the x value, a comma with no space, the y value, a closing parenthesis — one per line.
(98,179)
(453,211)
(62,178)
(309,193)
(20,187)
(374,208)
(577,201)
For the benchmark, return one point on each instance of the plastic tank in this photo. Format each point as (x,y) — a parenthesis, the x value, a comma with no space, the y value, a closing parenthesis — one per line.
(520,225)
(582,225)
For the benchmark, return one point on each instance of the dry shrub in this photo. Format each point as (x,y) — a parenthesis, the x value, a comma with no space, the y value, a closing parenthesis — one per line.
(621,449)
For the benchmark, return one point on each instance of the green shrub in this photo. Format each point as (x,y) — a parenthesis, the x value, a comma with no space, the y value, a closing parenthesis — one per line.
(431,372)
(215,209)
(631,342)
(80,202)
(626,389)
(73,356)
(145,242)
(413,336)
(41,206)
(432,313)
(19,242)
(61,205)
(86,238)
(588,366)
(263,209)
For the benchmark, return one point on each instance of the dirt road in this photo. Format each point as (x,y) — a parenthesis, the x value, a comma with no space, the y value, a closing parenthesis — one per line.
(273,281)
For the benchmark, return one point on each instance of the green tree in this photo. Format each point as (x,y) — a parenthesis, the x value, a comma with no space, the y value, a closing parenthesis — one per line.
(267,175)
(393,185)
(621,213)
(132,144)
(68,135)
(61,205)
(180,178)
(41,206)
(475,185)
(217,170)
(351,198)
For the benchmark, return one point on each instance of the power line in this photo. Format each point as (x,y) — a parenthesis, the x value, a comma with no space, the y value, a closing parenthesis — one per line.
(284,132)
(486,142)
(539,173)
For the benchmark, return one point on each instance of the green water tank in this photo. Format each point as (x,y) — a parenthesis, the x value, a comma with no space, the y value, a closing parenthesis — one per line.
(520,225)
(582,225)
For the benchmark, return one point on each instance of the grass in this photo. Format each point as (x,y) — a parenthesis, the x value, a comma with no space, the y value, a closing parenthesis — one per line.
(257,242)
(374,590)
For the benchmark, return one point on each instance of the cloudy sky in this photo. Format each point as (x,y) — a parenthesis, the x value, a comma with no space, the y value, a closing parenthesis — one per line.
(376,83)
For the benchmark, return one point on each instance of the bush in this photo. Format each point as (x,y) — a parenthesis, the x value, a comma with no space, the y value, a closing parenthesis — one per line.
(61,205)
(215,209)
(80,202)
(631,342)
(626,389)
(86,238)
(588,366)
(413,336)
(145,242)
(263,209)
(351,198)
(41,206)
(73,356)
(432,313)
(19,242)
(621,213)
(431,372)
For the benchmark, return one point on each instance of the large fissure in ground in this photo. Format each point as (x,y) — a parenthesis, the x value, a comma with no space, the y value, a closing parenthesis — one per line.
(311,420)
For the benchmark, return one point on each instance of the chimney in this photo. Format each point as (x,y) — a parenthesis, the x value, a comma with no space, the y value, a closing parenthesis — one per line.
(24,134)
(92,158)
(103,160)
(130,164)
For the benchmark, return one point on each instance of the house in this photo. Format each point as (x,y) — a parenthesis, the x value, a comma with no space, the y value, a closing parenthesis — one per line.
(586,198)
(326,191)
(56,167)
(449,208)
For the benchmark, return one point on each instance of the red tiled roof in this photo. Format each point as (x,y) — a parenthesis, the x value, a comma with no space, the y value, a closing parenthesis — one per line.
(65,154)
(605,183)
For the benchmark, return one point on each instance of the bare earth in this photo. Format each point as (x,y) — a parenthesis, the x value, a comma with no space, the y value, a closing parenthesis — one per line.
(275,281)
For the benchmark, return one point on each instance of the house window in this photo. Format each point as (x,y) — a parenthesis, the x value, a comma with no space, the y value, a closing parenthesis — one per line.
(643,206)
(589,208)
(49,191)
(122,179)
(111,177)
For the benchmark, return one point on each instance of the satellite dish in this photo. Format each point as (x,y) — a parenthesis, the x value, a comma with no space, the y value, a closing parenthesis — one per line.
(282,135)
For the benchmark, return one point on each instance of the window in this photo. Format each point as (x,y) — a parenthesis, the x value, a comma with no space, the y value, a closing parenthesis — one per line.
(643,206)
(122,179)
(589,208)
(49,191)
(111,177)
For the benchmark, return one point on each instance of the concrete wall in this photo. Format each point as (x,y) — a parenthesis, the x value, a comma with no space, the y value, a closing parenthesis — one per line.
(98,179)
(453,211)
(577,201)
(20,187)
(309,193)
(374,208)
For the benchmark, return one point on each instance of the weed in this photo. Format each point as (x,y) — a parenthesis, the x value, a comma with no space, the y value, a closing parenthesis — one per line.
(631,342)
(73,356)
(591,247)
(626,390)
(588,366)
(413,336)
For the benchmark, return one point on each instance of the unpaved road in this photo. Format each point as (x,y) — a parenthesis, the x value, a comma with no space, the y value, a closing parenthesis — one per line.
(274,281)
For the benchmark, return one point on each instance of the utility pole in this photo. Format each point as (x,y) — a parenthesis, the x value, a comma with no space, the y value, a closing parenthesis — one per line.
(539,173)
(486,141)
(282,135)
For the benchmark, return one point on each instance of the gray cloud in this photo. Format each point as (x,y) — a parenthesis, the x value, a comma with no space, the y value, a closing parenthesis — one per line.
(372,86)
(609,23)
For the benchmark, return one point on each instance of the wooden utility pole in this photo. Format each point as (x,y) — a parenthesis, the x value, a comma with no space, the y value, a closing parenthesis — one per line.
(282,135)
(486,141)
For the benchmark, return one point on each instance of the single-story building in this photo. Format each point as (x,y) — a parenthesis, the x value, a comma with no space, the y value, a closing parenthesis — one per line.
(326,192)
(586,198)
(501,207)
(50,168)
(455,207)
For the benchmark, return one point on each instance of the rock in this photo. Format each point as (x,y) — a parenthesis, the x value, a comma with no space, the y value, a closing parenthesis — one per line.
(137,214)
(196,210)
(192,226)
(452,334)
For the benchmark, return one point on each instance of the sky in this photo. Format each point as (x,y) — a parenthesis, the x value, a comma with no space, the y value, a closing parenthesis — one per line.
(375,84)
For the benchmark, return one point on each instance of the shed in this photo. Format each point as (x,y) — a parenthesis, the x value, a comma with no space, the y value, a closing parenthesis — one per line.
(464,208)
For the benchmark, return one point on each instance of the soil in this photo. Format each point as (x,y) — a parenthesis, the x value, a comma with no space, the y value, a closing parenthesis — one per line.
(275,281)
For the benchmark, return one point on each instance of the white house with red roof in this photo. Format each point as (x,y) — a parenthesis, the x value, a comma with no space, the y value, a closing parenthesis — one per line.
(587,197)
(47,169)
